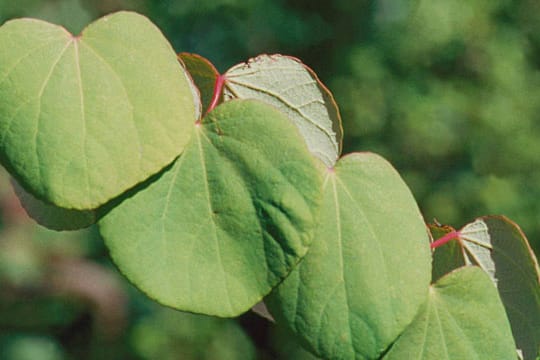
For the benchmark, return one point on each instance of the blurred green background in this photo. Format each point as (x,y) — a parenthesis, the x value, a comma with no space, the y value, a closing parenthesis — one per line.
(448,91)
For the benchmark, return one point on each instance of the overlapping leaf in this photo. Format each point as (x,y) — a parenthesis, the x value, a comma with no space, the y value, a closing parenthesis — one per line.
(499,247)
(228,221)
(204,75)
(84,118)
(54,217)
(292,87)
(462,319)
(447,257)
(368,269)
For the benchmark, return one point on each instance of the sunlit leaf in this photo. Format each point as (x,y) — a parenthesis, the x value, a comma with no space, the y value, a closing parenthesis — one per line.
(292,87)
(228,221)
(84,118)
(368,269)
(462,319)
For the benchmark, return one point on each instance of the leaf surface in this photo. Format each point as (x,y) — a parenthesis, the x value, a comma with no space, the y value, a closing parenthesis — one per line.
(203,73)
(51,216)
(84,118)
(498,246)
(368,270)
(293,88)
(462,319)
(228,221)
(447,257)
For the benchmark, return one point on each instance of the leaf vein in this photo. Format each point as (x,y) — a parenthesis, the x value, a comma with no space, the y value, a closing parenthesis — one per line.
(36,133)
(290,105)
(211,217)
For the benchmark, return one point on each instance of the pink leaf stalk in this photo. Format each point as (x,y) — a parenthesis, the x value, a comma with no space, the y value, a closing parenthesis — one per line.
(446,238)
(218,89)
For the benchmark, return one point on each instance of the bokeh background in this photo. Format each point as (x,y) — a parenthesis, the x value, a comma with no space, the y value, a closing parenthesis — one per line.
(448,91)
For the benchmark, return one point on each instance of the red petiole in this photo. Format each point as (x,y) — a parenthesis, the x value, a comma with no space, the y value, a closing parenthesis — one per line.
(446,238)
(218,90)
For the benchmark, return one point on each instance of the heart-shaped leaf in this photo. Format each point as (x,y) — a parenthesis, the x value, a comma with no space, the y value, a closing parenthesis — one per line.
(228,221)
(462,319)
(84,118)
(368,269)
(292,87)
(500,248)
(204,75)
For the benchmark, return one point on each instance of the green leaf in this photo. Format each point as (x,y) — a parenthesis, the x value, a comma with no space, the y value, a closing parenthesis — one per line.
(203,73)
(292,87)
(368,269)
(166,334)
(228,221)
(447,257)
(57,218)
(51,216)
(285,346)
(84,118)
(462,319)
(499,247)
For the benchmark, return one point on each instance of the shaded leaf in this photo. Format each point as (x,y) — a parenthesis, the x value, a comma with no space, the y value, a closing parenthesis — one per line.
(228,221)
(203,73)
(51,216)
(498,246)
(368,270)
(292,87)
(462,319)
(447,257)
(84,118)
(57,218)
(171,335)
(285,346)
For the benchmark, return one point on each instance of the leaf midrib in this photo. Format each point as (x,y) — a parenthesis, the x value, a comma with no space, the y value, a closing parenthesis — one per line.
(211,215)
